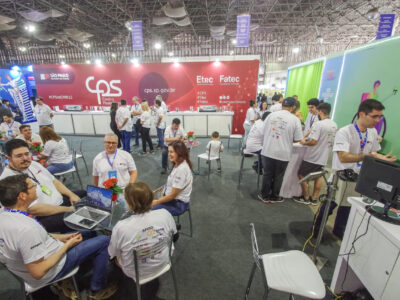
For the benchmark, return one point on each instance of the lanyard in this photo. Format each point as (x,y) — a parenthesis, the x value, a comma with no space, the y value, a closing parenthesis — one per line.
(312,120)
(108,159)
(17,211)
(174,132)
(363,142)
(9,126)
(31,177)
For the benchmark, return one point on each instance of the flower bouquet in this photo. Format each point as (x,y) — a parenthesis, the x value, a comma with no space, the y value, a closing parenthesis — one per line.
(192,139)
(37,147)
(111,184)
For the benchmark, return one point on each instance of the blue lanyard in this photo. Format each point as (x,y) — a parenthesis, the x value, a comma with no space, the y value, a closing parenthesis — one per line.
(363,142)
(174,132)
(108,159)
(9,126)
(17,211)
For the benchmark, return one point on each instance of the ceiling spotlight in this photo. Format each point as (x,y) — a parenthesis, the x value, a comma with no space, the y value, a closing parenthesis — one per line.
(22,49)
(373,14)
(61,56)
(113,55)
(296,50)
(135,61)
(30,28)
(170,53)
(87,62)
(62,62)
(97,61)
(157,46)
(86,45)
(233,41)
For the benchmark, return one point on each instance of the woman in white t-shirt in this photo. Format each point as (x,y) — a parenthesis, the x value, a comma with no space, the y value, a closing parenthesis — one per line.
(55,151)
(263,109)
(251,117)
(179,184)
(146,230)
(145,120)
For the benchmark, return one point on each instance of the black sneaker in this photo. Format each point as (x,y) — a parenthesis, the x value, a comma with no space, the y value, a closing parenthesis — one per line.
(313,202)
(276,200)
(302,200)
(261,198)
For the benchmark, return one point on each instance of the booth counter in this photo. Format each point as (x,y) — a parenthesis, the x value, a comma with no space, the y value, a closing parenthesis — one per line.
(98,123)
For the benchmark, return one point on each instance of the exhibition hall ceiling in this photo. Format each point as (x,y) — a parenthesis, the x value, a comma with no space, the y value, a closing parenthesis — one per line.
(78,31)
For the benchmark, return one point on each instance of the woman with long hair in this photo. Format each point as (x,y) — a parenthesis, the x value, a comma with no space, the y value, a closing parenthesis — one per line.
(178,188)
(263,109)
(113,123)
(55,150)
(145,120)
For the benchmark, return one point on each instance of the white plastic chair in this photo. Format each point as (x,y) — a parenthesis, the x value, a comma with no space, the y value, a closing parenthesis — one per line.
(144,253)
(29,290)
(234,137)
(71,171)
(292,272)
(207,156)
(80,154)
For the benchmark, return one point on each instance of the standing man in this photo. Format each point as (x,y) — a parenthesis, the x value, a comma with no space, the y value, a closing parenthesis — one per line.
(163,105)
(160,123)
(28,136)
(124,125)
(172,133)
(113,163)
(136,111)
(281,130)
(320,143)
(43,113)
(276,103)
(312,114)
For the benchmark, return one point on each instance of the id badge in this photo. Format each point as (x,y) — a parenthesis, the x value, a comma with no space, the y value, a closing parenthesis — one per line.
(10,132)
(112,174)
(46,190)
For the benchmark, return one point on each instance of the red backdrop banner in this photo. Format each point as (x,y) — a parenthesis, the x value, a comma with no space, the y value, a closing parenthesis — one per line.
(182,85)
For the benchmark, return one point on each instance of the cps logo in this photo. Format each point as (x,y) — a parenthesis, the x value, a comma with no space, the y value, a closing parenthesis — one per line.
(103,88)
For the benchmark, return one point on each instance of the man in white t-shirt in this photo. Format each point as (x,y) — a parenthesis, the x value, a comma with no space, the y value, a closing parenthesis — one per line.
(39,257)
(160,123)
(113,163)
(9,127)
(175,132)
(251,117)
(320,143)
(281,130)
(276,103)
(54,199)
(163,105)
(43,113)
(124,125)
(312,114)
(136,111)
(28,136)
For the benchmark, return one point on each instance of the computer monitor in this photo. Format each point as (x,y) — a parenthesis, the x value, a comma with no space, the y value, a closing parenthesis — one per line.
(380,181)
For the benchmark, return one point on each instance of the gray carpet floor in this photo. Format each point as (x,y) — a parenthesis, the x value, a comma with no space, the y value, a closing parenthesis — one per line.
(215,263)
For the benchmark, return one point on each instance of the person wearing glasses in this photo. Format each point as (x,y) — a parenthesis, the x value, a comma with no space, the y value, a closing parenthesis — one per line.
(114,163)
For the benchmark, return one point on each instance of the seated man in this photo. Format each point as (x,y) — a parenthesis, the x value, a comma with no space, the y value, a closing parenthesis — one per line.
(172,133)
(28,136)
(9,127)
(36,256)
(53,197)
(114,163)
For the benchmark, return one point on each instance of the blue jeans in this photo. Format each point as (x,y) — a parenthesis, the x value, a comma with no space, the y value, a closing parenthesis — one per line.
(126,140)
(160,135)
(175,207)
(58,168)
(135,134)
(95,249)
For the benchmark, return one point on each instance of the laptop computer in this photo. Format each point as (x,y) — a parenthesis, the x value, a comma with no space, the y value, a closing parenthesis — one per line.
(97,208)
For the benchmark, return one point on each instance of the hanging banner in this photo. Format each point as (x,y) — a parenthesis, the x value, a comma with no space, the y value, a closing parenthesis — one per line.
(330,79)
(13,87)
(226,84)
(385,27)
(242,31)
(137,35)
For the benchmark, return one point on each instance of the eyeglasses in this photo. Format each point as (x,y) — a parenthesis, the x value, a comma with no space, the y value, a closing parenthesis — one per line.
(21,155)
(111,143)
(34,185)
(376,117)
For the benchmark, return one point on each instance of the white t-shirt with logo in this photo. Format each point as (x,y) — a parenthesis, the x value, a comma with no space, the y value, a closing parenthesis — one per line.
(256,137)
(38,173)
(310,120)
(276,107)
(160,112)
(123,164)
(281,129)
(10,129)
(214,147)
(251,114)
(35,138)
(142,231)
(23,241)
(181,178)
(123,113)
(170,133)
(42,113)
(164,106)
(145,117)
(324,133)
(348,140)
(57,152)
(138,109)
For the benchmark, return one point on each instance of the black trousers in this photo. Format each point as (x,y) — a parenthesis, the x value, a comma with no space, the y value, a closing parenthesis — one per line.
(55,223)
(146,137)
(274,170)
(116,131)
